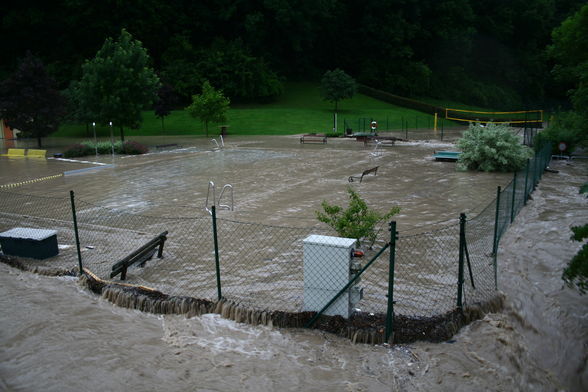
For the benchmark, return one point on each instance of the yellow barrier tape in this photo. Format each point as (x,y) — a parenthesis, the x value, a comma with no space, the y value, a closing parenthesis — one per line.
(17,184)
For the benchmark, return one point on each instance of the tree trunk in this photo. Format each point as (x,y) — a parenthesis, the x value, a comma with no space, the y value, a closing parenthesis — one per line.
(162,126)
(122,135)
(39,141)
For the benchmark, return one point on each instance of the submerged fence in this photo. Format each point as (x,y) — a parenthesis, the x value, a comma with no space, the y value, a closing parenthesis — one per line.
(409,282)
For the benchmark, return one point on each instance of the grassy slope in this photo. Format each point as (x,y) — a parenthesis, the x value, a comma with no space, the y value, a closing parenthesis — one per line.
(299,110)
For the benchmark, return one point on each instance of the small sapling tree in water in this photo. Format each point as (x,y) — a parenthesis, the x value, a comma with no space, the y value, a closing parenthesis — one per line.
(356,221)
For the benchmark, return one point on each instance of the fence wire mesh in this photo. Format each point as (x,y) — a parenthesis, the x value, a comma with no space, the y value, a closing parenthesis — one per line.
(271,267)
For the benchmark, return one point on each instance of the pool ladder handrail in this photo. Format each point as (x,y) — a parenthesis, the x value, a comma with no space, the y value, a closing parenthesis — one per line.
(220,197)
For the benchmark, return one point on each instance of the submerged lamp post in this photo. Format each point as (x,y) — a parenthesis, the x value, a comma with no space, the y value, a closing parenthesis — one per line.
(111,139)
(95,143)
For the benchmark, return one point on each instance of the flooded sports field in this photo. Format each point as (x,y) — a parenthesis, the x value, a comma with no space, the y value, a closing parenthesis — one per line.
(536,344)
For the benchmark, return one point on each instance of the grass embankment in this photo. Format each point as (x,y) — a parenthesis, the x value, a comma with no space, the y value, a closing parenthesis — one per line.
(299,110)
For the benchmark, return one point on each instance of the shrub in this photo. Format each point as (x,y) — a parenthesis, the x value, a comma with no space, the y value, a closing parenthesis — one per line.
(492,148)
(104,148)
(576,273)
(77,150)
(133,148)
(357,221)
(567,127)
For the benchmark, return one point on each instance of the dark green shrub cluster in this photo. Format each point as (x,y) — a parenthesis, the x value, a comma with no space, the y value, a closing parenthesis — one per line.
(566,127)
(104,148)
(492,148)
(576,273)
(133,148)
(77,150)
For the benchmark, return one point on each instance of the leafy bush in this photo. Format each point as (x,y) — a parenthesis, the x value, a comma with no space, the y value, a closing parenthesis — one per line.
(567,127)
(104,148)
(492,148)
(77,150)
(133,148)
(576,273)
(357,221)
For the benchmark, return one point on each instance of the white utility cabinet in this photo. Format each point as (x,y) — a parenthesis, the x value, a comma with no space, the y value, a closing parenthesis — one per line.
(327,269)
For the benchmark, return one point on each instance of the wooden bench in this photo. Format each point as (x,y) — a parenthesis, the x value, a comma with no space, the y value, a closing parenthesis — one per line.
(364,173)
(140,256)
(448,156)
(382,140)
(162,146)
(313,138)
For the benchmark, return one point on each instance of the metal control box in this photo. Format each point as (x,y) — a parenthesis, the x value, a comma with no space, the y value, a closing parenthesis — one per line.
(327,266)
(27,242)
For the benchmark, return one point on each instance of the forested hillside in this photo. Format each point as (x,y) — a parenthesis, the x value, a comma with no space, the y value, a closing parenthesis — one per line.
(483,52)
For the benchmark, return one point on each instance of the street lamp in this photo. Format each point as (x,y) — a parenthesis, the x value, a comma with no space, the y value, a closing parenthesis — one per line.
(95,143)
(111,139)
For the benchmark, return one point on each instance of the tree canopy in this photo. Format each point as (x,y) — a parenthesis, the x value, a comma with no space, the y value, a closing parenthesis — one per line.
(480,52)
(337,85)
(570,51)
(118,83)
(209,106)
(29,100)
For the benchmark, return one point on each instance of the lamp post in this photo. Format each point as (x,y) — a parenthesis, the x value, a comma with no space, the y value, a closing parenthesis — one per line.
(95,143)
(111,139)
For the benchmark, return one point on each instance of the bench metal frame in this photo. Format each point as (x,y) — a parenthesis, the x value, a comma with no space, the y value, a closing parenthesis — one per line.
(139,256)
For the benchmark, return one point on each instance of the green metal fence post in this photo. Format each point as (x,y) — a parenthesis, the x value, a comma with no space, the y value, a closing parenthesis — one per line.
(514,194)
(526,191)
(75,222)
(390,311)
(216,254)
(496,238)
(496,221)
(462,222)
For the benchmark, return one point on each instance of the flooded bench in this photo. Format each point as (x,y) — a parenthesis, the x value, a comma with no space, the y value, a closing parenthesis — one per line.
(28,242)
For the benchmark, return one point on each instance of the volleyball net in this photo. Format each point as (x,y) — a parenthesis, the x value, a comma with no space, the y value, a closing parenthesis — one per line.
(529,117)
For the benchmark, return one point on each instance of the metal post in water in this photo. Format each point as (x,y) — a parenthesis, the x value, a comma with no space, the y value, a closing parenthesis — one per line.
(390,310)
(75,222)
(496,221)
(526,190)
(216,254)
(514,194)
(462,222)
(496,238)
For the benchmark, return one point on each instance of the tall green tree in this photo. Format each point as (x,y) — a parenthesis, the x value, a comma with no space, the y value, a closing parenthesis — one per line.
(337,85)
(209,106)
(118,83)
(29,100)
(570,51)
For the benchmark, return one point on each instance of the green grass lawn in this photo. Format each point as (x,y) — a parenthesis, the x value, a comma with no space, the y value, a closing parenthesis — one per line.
(299,110)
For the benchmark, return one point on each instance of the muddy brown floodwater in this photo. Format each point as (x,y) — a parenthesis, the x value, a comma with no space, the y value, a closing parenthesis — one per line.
(56,336)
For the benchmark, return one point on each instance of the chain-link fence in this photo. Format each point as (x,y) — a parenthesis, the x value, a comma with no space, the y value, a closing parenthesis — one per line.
(289,269)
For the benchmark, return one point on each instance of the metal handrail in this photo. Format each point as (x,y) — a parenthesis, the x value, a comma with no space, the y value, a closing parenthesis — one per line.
(214,200)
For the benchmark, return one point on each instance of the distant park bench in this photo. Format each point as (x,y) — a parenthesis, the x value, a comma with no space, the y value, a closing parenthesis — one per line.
(381,140)
(313,138)
(448,156)
(140,256)
(162,146)
(364,173)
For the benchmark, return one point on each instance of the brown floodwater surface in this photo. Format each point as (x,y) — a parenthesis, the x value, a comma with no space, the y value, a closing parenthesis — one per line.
(56,336)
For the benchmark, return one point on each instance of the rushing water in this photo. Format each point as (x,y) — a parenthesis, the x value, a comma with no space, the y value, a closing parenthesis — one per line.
(56,336)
